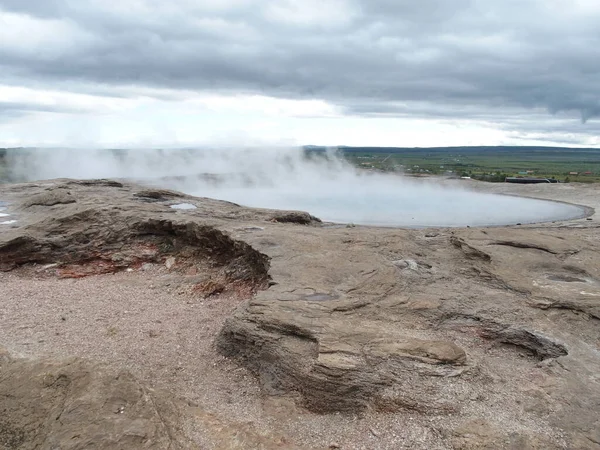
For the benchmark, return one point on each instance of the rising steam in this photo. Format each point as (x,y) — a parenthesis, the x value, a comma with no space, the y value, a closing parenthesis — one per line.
(322,184)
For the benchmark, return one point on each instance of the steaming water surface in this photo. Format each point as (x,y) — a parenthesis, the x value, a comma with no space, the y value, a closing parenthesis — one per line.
(403,206)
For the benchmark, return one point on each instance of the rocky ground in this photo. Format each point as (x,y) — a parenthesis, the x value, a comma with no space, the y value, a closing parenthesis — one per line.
(127,323)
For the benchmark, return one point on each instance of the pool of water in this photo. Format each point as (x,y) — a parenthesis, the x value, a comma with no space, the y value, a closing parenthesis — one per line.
(426,207)
(184,206)
(441,210)
(4,216)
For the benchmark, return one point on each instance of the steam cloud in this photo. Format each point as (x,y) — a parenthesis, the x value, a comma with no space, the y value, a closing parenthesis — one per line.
(324,185)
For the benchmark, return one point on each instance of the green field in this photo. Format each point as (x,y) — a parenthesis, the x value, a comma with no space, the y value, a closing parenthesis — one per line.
(491,163)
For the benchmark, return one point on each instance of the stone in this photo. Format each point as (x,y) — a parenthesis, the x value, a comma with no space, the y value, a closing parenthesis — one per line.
(298,217)
(170,262)
(50,198)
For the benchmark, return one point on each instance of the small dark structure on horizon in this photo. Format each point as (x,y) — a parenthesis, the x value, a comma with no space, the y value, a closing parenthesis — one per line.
(529,180)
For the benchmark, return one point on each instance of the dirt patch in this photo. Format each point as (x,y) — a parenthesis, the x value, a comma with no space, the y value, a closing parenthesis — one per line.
(76,405)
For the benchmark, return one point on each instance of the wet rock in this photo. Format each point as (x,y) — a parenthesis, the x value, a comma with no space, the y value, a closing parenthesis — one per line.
(102,182)
(157,195)
(298,217)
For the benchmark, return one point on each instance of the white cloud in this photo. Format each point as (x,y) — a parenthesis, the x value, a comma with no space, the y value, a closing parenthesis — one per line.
(40,38)
(238,120)
(329,13)
(264,106)
(42,99)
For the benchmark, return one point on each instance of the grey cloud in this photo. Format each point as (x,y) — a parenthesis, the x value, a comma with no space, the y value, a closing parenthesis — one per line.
(14,109)
(551,139)
(46,8)
(11,114)
(530,125)
(470,58)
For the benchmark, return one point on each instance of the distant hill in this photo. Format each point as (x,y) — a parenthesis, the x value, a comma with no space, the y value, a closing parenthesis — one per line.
(465,149)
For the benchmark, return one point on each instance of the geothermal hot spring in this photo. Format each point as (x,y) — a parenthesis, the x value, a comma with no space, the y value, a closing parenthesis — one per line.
(322,184)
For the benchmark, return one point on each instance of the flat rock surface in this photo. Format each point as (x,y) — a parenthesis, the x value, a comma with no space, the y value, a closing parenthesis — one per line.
(267,329)
(74,404)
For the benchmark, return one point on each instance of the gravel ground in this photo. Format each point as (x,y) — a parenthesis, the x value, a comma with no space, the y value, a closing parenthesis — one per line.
(145,322)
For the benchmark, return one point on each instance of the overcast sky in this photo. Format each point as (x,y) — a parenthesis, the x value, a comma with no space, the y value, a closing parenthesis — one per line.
(348,72)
